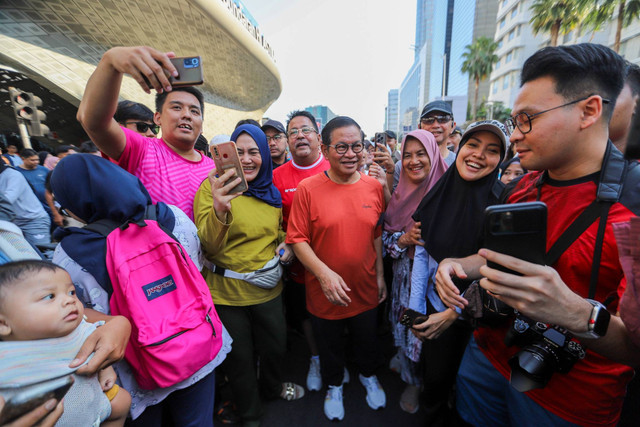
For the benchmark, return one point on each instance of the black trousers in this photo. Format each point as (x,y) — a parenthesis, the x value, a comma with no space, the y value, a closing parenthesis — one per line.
(362,333)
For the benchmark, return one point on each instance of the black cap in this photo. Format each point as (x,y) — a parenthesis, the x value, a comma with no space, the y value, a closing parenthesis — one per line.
(273,124)
(390,134)
(440,106)
(457,130)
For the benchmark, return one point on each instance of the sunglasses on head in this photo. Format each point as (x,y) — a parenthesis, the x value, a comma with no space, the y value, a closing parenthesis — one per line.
(142,127)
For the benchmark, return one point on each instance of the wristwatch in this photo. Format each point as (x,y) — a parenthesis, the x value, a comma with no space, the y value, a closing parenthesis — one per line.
(598,321)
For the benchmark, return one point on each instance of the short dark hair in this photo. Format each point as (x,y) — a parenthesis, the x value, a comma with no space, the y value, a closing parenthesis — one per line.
(12,272)
(579,70)
(161,97)
(203,145)
(28,152)
(247,122)
(303,113)
(632,77)
(62,149)
(335,123)
(129,110)
(88,147)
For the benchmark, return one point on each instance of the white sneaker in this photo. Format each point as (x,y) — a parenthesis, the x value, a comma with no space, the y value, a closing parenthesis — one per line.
(345,377)
(376,398)
(314,381)
(333,407)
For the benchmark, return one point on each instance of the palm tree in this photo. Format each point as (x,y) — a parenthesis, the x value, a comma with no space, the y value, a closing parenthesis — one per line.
(603,10)
(479,58)
(556,16)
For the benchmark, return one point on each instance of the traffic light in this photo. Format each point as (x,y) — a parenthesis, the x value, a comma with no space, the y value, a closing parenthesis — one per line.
(25,105)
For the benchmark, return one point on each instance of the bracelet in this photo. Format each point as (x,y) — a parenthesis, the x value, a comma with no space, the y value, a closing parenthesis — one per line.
(389,173)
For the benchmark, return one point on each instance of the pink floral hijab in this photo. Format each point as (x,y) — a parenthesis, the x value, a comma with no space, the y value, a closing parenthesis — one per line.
(407,197)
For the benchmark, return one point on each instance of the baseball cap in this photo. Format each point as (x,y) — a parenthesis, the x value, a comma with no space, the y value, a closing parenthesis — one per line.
(390,134)
(441,106)
(273,124)
(457,130)
(492,126)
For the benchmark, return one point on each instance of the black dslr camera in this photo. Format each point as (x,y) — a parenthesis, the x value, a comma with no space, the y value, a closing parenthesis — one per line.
(546,349)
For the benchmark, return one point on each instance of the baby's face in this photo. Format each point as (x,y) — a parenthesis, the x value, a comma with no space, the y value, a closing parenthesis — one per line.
(44,305)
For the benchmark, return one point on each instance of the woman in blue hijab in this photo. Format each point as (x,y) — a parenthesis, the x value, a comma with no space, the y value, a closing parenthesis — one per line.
(90,188)
(241,234)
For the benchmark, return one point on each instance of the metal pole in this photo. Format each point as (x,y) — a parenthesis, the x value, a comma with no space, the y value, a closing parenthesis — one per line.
(24,134)
(444,75)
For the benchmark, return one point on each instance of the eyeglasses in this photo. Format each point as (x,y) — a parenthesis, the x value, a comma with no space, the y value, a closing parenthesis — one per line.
(522,121)
(142,127)
(277,137)
(431,120)
(342,148)
(305,131)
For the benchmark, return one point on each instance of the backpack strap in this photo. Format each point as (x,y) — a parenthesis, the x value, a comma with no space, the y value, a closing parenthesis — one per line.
(102,226)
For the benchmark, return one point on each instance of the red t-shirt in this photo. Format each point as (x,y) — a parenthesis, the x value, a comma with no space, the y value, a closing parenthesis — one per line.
(340,222)
(592,393)
(286,179)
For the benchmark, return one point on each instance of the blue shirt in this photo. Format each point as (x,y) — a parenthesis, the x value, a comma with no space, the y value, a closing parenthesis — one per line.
(36,178)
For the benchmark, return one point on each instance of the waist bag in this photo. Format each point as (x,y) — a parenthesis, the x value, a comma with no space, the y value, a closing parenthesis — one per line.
(266,278)
(175,329)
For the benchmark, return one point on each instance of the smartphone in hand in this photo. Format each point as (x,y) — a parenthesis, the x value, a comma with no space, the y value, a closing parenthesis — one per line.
(410,317)
(225,156)
(518,230)
(27,398)
(189,71)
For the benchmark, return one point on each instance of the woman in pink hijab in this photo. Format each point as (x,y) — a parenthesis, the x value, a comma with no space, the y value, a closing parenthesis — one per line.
(422,166)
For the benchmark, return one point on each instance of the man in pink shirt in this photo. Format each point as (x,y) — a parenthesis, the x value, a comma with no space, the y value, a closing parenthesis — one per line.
(169,167)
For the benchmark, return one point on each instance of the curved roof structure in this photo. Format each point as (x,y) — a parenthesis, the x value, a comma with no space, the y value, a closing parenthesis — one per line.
(59,42)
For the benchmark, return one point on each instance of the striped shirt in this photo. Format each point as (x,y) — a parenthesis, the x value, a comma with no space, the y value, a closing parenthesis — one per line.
(167,176)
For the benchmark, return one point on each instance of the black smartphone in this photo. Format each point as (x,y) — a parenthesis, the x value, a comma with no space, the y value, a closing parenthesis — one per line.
(410,317)
(518,230)
(27,398)
(380,138)
(189,71)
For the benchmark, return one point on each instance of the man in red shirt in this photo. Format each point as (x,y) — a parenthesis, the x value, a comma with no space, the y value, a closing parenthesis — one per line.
(334,227)
(306,160)
(560,129)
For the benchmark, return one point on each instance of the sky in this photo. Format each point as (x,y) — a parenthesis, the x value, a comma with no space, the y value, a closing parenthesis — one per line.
(345,54)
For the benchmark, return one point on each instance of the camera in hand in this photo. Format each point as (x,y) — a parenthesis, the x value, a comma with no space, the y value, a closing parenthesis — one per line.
(410,318)
(546,349)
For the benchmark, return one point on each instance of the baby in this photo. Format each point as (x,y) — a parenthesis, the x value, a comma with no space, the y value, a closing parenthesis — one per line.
(42,327)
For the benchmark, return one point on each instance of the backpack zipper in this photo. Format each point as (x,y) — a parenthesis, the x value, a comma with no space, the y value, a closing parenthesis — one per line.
(166,339)
(211,323)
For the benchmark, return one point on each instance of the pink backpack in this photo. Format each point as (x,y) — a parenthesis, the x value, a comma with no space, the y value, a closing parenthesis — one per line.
(175,329)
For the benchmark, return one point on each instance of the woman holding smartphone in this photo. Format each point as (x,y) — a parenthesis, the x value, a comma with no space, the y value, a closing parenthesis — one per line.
(451,218)
(242,233)
(422,166)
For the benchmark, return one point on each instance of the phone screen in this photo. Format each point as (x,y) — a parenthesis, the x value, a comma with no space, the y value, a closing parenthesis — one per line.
(24,399)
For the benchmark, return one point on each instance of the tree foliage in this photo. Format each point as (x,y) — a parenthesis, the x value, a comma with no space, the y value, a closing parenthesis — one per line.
(479,59)
(557,17)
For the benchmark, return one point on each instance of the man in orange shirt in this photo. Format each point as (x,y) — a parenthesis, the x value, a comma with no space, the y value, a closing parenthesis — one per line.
(334,227)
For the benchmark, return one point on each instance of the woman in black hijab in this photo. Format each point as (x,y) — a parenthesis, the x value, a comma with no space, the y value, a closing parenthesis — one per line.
(451,215)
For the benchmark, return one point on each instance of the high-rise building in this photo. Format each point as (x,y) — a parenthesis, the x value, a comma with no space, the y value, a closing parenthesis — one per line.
(322,113)
(443,30)
(391,112)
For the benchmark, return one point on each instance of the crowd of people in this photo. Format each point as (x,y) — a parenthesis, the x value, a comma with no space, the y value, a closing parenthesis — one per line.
(334,235)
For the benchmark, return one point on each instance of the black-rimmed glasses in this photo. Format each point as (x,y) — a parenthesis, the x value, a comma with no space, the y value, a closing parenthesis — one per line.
(142,127)
(342,148)
(522,120)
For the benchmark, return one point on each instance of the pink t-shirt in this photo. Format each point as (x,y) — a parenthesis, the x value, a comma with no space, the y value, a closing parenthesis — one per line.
(168,177)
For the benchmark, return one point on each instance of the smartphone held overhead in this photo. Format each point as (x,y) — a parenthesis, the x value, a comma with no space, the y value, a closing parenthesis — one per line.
(189,71)
(225,156)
